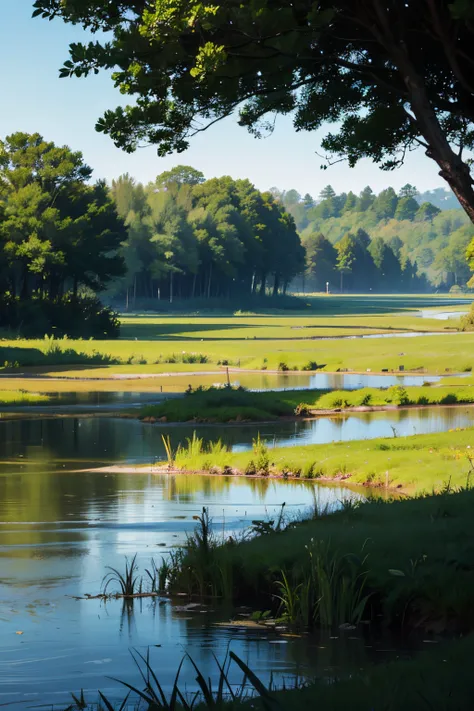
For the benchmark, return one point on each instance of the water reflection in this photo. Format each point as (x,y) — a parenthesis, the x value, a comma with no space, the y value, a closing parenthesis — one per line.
(85,442)
(58,532)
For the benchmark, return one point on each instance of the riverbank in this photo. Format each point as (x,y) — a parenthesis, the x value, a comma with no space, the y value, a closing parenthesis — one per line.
(404,562)
(408,465)
(226,405)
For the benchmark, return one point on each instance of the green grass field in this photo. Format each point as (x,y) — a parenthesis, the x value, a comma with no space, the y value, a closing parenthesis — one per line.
(226,405)
(411,464)
(168,344)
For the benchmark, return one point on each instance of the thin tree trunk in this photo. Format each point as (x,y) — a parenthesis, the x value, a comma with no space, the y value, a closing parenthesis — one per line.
(126,298)
(263,284)
(209,282)
(276,284)
(193,294)
(171,287)
(134,291)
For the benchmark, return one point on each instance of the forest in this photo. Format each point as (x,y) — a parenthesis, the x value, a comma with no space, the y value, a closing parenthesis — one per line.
(221,238)
(415,244)
(65,239)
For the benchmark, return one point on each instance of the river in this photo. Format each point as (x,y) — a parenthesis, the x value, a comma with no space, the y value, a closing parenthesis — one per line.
(60,528)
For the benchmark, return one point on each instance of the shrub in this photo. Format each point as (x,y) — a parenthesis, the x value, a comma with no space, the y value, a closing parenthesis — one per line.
(449,399)
(302,410)
(78,317)
(251,469)
(262,460)
(467,321)
(423,400)
(310,365)
(283,367)
(398,395)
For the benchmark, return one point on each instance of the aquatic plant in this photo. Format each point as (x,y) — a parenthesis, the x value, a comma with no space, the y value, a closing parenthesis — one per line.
(329,589)
(168,449)
(130,583)
(262,460)
(207,696)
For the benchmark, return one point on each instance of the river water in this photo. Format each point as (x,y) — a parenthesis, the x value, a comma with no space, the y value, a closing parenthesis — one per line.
(60,528)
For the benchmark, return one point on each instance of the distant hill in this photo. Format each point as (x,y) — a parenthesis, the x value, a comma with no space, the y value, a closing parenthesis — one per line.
(444,199)
(428,228)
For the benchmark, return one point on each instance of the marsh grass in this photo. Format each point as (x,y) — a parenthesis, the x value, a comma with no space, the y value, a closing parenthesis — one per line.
(411,464)
(129,582)
(219,695)
(235,404)
(23,397)
(197,453)
(328,590)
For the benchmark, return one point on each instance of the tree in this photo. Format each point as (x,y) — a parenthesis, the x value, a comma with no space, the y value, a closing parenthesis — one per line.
(308,201)
(321,258)
(396,244)
(408,191)
(57,231)
(346,256)
(351,202)
(327,192)
(385,204)
(366,199)
(393,75)
(406,209)
(180,174)
(427,212)
(291,197)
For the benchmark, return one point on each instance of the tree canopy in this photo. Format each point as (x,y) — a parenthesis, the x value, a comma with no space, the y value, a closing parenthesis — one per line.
(204,238)
(57,231)
(394,75)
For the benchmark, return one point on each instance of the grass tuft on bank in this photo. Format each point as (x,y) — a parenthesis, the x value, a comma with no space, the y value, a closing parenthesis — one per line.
(406,563)
(237,404)
(420,463)
(21,397)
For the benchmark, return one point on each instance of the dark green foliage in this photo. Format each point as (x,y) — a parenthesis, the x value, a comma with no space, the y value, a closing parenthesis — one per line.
(391,77)
(213,241)
(222,405)
(77,317)
(58,235)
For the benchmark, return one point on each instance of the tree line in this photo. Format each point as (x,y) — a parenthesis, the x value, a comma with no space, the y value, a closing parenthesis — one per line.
(194,238)
(426,240)
(60,237)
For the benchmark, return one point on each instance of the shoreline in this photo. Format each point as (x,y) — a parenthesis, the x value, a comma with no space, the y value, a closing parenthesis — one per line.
(222,371)
(31,411)
(164,470)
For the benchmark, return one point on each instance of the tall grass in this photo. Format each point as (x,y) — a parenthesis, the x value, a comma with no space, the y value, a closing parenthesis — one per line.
(329,589)
(129,582)
(208,696)
(191,454)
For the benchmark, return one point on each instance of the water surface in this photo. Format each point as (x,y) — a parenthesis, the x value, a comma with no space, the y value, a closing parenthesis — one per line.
(59,531)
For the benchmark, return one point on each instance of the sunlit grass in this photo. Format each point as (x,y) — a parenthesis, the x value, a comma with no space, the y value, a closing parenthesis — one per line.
(411,464)
(21,397)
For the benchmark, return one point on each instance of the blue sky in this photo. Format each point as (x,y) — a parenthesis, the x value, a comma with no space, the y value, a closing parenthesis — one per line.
(65,111)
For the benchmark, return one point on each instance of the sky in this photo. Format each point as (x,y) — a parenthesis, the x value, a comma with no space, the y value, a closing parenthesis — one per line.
(34,99)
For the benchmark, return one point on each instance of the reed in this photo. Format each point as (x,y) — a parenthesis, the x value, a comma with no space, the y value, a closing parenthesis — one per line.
(129,582)
(152,696)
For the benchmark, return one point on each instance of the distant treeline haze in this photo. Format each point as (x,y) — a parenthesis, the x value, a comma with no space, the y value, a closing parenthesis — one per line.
(194,238)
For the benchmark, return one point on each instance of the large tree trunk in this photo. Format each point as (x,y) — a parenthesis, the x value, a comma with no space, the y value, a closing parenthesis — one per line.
(452,168)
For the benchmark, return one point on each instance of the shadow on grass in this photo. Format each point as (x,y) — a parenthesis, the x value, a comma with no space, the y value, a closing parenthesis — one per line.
(12,357)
